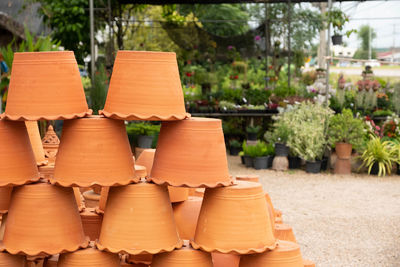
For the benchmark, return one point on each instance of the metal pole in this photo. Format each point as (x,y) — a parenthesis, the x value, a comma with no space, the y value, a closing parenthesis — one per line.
(369,42)
(289,33)
(328,54)
(266,24)
(91,15)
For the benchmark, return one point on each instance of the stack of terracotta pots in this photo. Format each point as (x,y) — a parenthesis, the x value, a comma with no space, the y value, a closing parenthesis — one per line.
(136,214)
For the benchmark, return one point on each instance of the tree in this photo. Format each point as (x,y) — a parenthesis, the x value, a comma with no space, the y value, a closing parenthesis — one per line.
(364,34)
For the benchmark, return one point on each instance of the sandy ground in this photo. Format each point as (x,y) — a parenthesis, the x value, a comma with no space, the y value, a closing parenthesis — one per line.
(338,220)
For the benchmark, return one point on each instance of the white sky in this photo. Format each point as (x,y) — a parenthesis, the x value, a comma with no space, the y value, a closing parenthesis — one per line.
(371,13)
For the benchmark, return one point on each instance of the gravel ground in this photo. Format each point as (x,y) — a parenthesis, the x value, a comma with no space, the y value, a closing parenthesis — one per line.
(338,220)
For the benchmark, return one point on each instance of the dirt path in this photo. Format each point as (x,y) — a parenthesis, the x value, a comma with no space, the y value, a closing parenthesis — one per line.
(338,220)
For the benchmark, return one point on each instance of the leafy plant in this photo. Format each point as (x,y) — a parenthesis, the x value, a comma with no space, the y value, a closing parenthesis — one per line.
(280,133)
(338,19)
(253,129)
(226,105)
(234,143)
(261,149)
(379,152)
(98,91)
(346,128)
(142,128)
(382,113)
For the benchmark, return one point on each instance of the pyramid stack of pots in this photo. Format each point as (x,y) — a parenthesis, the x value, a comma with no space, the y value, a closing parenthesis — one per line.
(138,213)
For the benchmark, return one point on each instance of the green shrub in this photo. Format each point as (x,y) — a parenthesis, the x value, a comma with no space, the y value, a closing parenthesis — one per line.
(261,149)
(253,129)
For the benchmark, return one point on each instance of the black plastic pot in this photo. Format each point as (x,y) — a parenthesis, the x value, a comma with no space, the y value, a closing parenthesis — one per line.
(252,136)
(375,169)
(234,151)
(398,170)
(270,160)
(260,163)
(324,164)
(145,141)
(337,39)
(313,166)
(242,159)
(281,150)
(248,161)
(294,162)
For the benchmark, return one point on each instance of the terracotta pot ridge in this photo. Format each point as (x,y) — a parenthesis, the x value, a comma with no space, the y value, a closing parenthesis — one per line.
(49,118)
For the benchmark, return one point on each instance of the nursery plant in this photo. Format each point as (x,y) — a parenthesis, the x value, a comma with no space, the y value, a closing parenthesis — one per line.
(234,147)
(144,133)
(252,132)
(379,156)
(345,128)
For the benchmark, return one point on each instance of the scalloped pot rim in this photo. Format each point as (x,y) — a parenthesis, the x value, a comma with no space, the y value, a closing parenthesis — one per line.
(135,116)
(45,117)
(139,251)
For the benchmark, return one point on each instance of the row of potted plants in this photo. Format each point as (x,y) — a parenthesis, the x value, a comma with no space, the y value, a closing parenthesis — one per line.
(259,156)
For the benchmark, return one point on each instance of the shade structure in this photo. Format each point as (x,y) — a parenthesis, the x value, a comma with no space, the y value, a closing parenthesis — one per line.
(18,164)
(191,153)
(186,214)
(184,257)
(89,257)
(234,219)
(176,194)
(36,142)
(145,86)
(8,260)
(138,219)
(94,151)
(286,254)
(43,219)
(45,86)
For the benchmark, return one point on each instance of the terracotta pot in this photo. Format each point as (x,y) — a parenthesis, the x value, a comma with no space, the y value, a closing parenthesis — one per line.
(140,171)
(52,261)
(8,260)
(308,263)
(55,87)
(184,257)
(343,150)
(248,177)
(138,218)
(78,198)
(284,232)
(286,254)
(140,259)
(224,225)
(278,220)
(94,151)
(136,93)
(50,143)
(146,159)
(178,194)
(191,153)
(54,224)
(225,260)
(89,257)
(5,196)
(46,172)
(91,199)
(36,142)
(186,215)
(18,164)
(91,222)
(199,192)
(342,166)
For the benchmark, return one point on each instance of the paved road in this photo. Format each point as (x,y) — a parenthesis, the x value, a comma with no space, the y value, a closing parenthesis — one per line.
(377,71)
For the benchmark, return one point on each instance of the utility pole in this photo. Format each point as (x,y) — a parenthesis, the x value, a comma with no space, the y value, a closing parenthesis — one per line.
(92,56)
(328,54)
(322,38)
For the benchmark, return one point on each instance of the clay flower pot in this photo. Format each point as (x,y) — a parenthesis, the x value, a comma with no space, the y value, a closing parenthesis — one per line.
(284,232)
(191,153)
(52,261)
(286,254)
(145,86)
(138,219)
(140,171)
(18,164)
(94,151)
(36,142)
(140,259)
(184,257)
(176,194)
(186,215)
(54,224)
(308,263)
(5,196)
(234,219)
(248,177)
(8,260)
(343,150)
(55,87)
(342,166)
(225,260)
(91,199)
(46,172)
(89,257)
(91,222)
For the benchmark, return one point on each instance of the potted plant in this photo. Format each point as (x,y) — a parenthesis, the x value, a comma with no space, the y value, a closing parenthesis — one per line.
(144,133)
(294,160)
(345,132)
(262,154)
(248,153)
(234,147)
(338,19)
(379,156)
(252,132)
